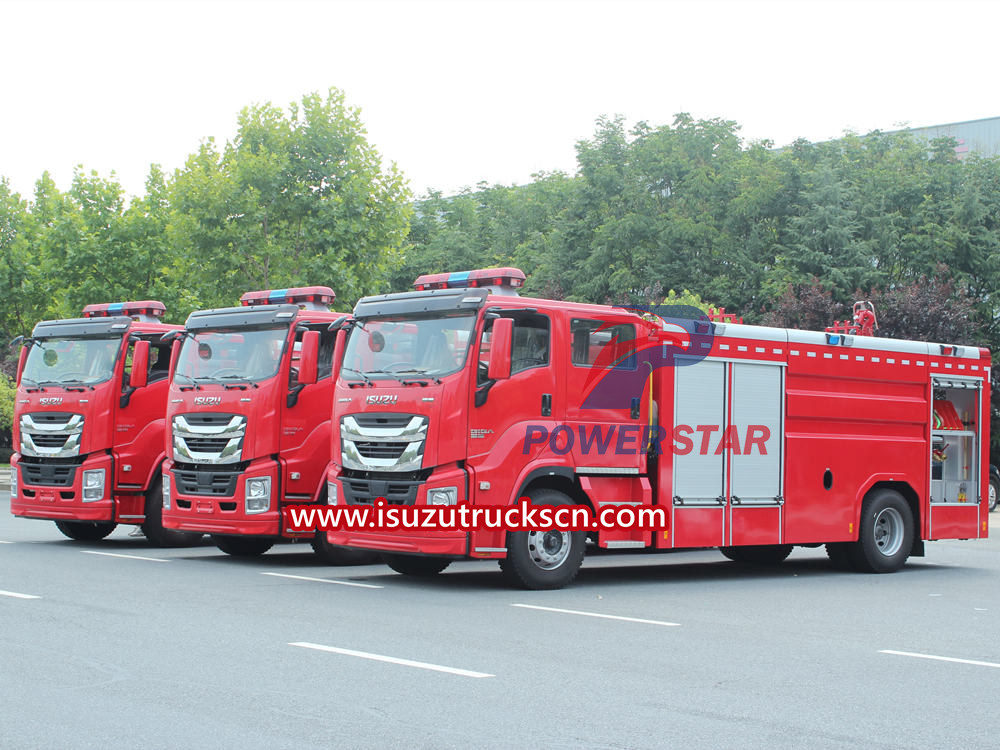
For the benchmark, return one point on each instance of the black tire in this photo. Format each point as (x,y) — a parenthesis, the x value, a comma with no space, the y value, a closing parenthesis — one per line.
(416,565)
(152,527)
(994,487)
(763,554)
(885,533)
(85,531)
(840,555)
(334,555)
(242,546)
(540,560)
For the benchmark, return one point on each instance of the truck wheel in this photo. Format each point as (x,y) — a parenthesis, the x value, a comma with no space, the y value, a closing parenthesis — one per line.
(885,534)
(415,565)
(763,554)
(152,527)
(994,487)
(334,555)
(840,555)
(544,559)
(242,546)
(85,531)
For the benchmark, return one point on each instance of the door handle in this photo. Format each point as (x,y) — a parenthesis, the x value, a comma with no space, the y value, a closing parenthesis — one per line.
(546,404)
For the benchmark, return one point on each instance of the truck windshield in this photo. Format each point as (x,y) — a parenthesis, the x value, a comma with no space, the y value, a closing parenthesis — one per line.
(223,354)
(71,360)
(427,345)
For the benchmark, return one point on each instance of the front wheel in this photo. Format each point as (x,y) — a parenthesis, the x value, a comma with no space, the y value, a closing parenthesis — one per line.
(544,559)
(763,554)
(153,528)
(333,555)
(85,531)
(885,535)
(415,565)
(242,546)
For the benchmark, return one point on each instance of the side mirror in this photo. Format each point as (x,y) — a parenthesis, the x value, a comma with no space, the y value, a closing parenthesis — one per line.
(22,357)
(500,349)
(309,358)
(339,323)
(170,336)
(140,365)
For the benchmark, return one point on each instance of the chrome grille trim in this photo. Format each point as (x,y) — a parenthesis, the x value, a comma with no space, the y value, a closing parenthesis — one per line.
(412,434)
(232,431)
(48,433)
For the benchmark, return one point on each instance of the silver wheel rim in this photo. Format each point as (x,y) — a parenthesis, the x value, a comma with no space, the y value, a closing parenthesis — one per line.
(548,549)
(888,531)
(993,495)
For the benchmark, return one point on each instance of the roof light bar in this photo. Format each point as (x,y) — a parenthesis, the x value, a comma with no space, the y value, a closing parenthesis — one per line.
(306,297)
(498,280)
(146,311)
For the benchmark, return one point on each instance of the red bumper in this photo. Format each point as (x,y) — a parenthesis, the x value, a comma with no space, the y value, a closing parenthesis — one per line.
(59,494)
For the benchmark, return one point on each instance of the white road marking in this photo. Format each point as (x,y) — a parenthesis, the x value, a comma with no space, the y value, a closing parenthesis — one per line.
(16,595)
(325,580)
(4,542)
(127,557)
(943,658)
(598,614)
(392,660)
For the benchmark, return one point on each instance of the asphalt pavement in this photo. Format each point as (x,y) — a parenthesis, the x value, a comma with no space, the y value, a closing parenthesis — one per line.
(117,644)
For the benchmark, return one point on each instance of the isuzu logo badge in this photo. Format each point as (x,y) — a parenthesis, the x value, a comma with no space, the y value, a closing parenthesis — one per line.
(50,401)
(382,400)
(207,400)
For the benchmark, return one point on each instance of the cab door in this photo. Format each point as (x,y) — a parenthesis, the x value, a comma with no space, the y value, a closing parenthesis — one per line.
(507,418)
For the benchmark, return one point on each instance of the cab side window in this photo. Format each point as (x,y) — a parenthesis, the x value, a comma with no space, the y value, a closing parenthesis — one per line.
(597,343)
(529,347)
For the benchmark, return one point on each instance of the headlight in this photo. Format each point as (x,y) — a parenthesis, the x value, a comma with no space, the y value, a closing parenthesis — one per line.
(93,485)
(331,493)
(257,497)
(166,491)
(13,482)
(442,496)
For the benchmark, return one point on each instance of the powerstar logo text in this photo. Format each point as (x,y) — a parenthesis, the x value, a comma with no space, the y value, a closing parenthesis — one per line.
(384,400)
(623,440)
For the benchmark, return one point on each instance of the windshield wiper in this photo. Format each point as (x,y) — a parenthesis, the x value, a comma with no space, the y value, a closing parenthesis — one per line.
(28,388)
(419,371)
(242,385)
(188,378)
(363,377)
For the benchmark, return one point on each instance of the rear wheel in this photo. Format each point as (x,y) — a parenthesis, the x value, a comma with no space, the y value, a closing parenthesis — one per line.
(152,527)
(885,534)
(764,554)
(414,565)
(544,559)
(85,531)
(334,555)
(242,546)
(994,488)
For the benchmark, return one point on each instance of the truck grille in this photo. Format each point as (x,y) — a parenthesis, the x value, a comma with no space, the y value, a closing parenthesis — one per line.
(367,491)
(50,434)
(48,474)
(376,441)
(196,480)
(208,437)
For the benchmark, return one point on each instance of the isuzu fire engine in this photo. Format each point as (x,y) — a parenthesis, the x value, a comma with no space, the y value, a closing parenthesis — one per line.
(750,439)
(248,418)
(89,422)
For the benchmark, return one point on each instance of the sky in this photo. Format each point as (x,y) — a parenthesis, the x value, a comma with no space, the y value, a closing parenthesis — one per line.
(463,91)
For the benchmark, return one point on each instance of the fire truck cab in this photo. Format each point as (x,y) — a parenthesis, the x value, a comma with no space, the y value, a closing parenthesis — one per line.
(248,419)
(89,422)
(750,439)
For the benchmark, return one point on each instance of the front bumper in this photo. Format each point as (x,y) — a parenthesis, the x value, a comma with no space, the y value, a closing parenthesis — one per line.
(219,505)
(53,489)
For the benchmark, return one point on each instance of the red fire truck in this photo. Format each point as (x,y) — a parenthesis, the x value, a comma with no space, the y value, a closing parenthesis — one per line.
(249,419)
(89,422)
(750,439)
